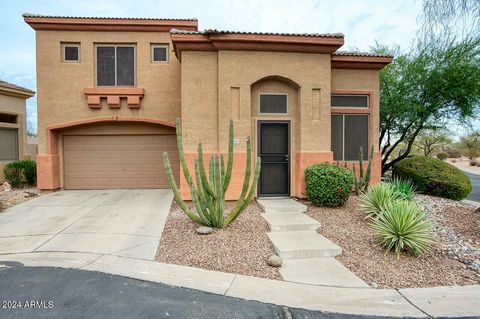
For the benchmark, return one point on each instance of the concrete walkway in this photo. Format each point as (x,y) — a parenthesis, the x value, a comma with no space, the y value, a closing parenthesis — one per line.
(308,257)
(116,222)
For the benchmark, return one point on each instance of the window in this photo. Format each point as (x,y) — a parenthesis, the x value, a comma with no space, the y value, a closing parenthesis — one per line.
(273,103)
(8,145)
(349,132)
(8,118)
(70,52)
(159,53)
(344,100)
(115,65)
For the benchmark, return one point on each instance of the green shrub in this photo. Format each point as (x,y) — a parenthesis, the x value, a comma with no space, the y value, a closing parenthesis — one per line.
(377,198)
(403,226)
(435,177)
(328,185)
(404,187)
(442,156)
(21,172)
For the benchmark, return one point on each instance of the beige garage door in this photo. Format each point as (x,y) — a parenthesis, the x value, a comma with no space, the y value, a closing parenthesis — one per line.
(118,161)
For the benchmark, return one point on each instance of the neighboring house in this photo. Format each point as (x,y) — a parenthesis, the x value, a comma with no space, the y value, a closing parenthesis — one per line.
(13,127)
(110,89)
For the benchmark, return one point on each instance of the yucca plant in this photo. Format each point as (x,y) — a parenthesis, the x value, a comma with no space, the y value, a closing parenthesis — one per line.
(404,187)
(208,193)
(377,198)
(403,226)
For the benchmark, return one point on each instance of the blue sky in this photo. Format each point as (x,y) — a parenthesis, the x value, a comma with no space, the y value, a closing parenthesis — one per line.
(362,22)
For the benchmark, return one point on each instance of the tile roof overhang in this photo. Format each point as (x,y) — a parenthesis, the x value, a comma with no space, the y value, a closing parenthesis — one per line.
(359,60)
(15,90)
(61,23)
(213,40)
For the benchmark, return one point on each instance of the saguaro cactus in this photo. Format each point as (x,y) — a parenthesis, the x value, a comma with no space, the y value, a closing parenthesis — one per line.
(208,192)
(362,181)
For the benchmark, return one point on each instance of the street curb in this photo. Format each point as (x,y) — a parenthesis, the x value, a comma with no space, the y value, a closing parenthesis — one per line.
(456,301)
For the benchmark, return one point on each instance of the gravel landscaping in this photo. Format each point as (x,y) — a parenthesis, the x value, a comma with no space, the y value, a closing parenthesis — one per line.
(241,248)
(455,259)
(10,198)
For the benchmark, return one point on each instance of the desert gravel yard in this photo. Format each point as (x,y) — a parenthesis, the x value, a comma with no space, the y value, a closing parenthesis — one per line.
(241,248)
(16,196)
(455,259)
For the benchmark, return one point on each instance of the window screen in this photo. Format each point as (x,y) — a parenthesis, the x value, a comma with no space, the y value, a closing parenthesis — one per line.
(8,145)
(337,137)
(159,54)
(8,118)
(350,100)
(115,66)
(273,103)
(71,53)
(349,133)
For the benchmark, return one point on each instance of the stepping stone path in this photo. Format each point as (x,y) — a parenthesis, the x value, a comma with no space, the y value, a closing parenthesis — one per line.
(308,257)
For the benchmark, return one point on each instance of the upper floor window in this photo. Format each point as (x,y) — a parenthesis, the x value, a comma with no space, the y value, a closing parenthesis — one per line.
(350,100)
(70,52)
(115,65)
(273,103)
(159,52)
(8,118)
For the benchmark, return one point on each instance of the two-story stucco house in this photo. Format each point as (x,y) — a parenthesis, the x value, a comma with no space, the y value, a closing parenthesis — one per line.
(110,89)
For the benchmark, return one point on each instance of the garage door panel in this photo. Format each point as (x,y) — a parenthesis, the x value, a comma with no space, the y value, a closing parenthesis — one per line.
(118,161)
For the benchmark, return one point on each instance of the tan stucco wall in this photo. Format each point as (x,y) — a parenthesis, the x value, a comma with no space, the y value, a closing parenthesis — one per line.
(60,85)
(14,105)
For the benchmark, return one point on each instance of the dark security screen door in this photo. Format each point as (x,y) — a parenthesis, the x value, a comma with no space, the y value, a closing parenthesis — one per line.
(274,152)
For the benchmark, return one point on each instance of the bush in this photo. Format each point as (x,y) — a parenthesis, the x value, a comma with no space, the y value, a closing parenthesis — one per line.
(377,198)
(21,172)
(435,177)
(403,226)
(328,185)
(452,152)
(442,155)
(403,187)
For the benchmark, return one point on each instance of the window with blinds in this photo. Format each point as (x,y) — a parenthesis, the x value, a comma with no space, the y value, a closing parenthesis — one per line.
(115,65)
(349,133)
(273,103)
(349,100)
(8,145)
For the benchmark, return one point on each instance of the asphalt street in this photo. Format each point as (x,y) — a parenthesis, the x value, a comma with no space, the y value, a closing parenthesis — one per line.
(475,194)
(44,292)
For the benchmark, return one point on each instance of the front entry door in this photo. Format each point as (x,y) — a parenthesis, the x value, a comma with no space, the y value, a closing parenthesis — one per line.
(274,151)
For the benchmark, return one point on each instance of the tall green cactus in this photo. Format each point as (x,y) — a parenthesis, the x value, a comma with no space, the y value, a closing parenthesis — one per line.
(363,180)
(208,192)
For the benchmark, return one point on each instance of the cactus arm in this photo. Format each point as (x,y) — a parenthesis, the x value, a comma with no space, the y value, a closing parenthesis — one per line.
(198,204)
(248,169)
(368,174)
(228,173)
(204,200)
(222,168)
(203,174)
(176,193)
(357,182)
(181,153)
(360,164)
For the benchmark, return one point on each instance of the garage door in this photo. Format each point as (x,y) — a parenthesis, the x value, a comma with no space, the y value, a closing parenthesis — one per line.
(118,161)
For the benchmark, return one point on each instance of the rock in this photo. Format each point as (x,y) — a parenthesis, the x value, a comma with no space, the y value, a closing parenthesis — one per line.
(275,261)
(374,285)
(5,187)
(204,230)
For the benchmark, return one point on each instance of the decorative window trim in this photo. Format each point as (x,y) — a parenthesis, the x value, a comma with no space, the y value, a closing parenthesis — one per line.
(115,45)
(367,95)
(70,44)
(153,46)
(259,108)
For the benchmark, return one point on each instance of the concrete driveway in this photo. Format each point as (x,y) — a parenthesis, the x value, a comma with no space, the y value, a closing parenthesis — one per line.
(125,223)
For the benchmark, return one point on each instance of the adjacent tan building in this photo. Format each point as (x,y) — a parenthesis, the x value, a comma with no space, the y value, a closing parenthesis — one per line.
(13,124)
(109,91)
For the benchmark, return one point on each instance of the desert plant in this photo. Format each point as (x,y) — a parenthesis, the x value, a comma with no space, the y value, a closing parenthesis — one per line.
(442,156)
(208,193)
(452,152)
(377,198)
(403,187)
(434,177)
(30,172)
(362,181)
(473,162)
(13,174)
(403,226)
(328,185)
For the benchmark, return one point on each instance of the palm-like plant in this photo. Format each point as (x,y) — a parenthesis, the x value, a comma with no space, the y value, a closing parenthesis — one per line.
(403,226)
(377,198)
(404,187)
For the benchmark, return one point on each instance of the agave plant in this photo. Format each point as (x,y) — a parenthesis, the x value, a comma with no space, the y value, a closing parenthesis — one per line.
(403,186)
(208,192)
(377,198)
(403,226)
